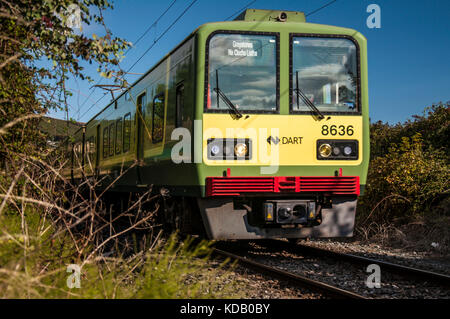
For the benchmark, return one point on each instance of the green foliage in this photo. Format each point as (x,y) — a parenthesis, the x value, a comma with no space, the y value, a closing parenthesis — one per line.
(33,264)
(409,172)
(433,125)
(177,271)
(39,51)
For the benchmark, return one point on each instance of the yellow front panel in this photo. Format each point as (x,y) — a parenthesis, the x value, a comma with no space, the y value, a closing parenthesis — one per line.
(297,135)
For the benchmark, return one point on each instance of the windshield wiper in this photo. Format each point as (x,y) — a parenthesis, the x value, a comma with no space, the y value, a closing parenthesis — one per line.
(307,101)
(225,98)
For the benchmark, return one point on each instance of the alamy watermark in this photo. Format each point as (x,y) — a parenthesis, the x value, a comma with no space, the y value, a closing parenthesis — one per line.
(374,19)
(74,279)
(72,17)
(265,145)
(374,279)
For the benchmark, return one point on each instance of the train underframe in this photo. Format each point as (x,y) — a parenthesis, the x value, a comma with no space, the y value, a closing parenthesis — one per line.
(279,217)
(258,207)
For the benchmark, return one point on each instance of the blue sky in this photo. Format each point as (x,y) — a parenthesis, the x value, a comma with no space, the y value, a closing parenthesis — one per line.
(409,56)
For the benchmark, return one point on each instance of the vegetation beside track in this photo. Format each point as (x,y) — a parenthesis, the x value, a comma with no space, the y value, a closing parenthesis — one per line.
(34,264)
(407,196)
(45,222)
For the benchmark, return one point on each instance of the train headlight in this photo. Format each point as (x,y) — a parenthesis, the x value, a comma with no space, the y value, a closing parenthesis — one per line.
(240,149)
(325,150)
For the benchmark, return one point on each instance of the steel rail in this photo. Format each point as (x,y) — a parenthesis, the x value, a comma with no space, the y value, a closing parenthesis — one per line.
(399,269)
(292,278)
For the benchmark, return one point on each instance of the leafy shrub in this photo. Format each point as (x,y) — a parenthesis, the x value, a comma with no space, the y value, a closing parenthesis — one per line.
(406,183)
(406,199)
(433,125)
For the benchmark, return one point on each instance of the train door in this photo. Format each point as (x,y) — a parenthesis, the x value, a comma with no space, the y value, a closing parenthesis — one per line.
(140,116)
(83,148)
(97,149)
(72,161)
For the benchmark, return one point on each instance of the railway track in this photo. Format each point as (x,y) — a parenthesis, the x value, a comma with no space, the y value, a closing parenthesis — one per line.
(402,270)
(336,274)
(294,279)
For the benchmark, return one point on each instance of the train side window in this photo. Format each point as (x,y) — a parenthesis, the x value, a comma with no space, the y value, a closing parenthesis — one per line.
(158,119)
(126,132)
(118,136)
(105,142)
(111,139)
(179,105)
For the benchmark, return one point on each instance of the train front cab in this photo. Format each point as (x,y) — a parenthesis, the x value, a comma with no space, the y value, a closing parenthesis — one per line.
(285,127)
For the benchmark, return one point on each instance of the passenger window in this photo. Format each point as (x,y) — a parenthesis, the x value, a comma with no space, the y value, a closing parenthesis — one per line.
(105,142)
(111,139)
(126,132)
(179,106)
(118,136)
(158,118)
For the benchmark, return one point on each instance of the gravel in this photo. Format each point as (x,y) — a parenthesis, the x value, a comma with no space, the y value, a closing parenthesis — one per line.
(252,285)
(426,260)
(344,274)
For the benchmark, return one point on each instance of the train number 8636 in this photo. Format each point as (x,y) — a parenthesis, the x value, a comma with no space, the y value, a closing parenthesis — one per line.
(338,130)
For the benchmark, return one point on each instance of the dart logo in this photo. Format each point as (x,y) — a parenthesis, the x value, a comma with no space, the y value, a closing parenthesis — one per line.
(273,140)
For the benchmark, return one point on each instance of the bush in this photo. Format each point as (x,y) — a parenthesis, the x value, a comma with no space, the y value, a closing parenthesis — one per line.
(406,183)
(408,176)
(433,125)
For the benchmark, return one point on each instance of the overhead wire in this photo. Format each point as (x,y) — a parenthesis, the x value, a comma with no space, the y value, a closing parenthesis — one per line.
(134,45)
(240,10)
(151,46)
(320,8)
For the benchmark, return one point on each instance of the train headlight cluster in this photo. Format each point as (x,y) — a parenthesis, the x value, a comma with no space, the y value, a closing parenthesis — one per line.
(229,149)
(337,150)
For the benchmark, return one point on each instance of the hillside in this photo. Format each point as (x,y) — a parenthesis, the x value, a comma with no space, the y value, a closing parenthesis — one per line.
(57,129)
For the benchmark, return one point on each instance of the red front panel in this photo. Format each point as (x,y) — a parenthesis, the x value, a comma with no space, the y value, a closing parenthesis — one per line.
(235,186)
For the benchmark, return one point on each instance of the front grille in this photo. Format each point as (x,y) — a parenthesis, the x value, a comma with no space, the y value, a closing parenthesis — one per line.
(236,186)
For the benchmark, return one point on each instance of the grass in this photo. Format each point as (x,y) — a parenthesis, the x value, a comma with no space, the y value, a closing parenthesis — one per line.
(33,264)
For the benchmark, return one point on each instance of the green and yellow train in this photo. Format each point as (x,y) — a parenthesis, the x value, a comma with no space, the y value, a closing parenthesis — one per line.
(261,124)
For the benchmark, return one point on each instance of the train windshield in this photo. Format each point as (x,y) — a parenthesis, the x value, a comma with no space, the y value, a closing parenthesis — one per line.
(242,72)
(325,70)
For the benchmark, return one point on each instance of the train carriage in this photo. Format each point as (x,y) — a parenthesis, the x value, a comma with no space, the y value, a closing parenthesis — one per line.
(261,124)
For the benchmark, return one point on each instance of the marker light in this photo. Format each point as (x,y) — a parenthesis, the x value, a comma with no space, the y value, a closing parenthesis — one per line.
(348,150)
(325,150)
(228,150)
(336,150)
(215,149)
(240,150)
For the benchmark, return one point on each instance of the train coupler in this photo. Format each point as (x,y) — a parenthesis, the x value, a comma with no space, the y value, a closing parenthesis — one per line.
(294,212)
